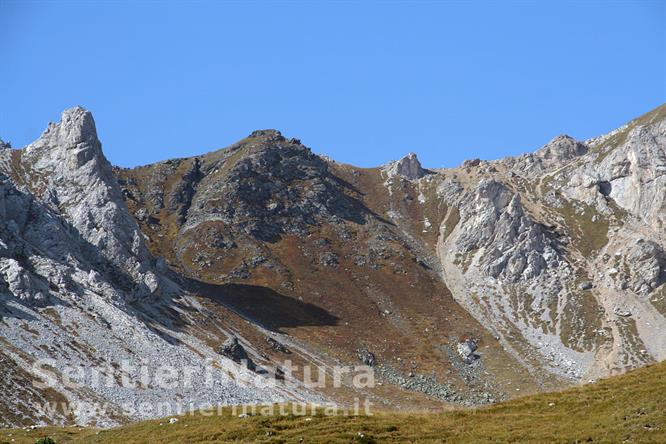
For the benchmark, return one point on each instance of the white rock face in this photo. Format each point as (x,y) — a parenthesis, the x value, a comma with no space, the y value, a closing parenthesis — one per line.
(21,283)
(566,246)
(515,266)
(516,247)
(408,168)
(637,174)
(629,168)
(561,150)
(68,163)
(558,152)
(644,263)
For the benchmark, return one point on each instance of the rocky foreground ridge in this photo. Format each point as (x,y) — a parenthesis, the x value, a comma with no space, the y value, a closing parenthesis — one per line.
(463,286)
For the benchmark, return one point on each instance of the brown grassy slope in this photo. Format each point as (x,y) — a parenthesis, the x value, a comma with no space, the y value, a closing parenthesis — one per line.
(384,293)
(17,384)
(627,408)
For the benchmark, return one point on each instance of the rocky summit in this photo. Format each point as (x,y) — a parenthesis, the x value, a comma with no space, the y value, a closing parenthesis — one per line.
(461,286)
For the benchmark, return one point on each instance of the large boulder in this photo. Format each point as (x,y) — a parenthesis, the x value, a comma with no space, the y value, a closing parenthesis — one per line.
(466,349)
(22,284)
(232,349)
(646,262)
(367,357)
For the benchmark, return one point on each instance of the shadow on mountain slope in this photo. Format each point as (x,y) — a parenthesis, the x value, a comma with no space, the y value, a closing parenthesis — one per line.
(265,306)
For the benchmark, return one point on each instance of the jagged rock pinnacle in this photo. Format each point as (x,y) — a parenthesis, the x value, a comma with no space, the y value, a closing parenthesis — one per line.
(69,157)
(78,124)
(408,167)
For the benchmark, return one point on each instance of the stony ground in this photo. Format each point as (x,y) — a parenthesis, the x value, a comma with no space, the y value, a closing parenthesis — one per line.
(626,408)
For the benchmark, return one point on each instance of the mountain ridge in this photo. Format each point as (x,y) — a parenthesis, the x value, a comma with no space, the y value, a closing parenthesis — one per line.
(550,264)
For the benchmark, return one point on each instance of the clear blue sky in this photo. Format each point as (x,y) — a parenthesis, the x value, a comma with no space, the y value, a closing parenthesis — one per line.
(363,82)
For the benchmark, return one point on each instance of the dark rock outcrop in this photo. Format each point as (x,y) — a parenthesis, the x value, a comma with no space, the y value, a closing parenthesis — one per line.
(233,350)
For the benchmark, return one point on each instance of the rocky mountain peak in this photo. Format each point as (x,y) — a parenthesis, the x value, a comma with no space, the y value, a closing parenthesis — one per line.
(78,124)
(278,186)
(409,167)
(268,135)
(561,149)
(71,143)
(68,172)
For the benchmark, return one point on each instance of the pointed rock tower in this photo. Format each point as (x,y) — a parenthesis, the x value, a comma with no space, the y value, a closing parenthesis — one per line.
(68,164)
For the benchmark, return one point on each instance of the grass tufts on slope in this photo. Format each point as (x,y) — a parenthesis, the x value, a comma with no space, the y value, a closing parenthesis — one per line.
(627,408)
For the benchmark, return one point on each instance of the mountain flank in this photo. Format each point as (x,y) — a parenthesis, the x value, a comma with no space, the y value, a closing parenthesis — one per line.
(461,286)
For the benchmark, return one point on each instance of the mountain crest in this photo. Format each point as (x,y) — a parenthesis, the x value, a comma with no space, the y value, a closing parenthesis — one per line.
(409,167)
(561,149)
(78,124)
(269,134)
(70,144)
